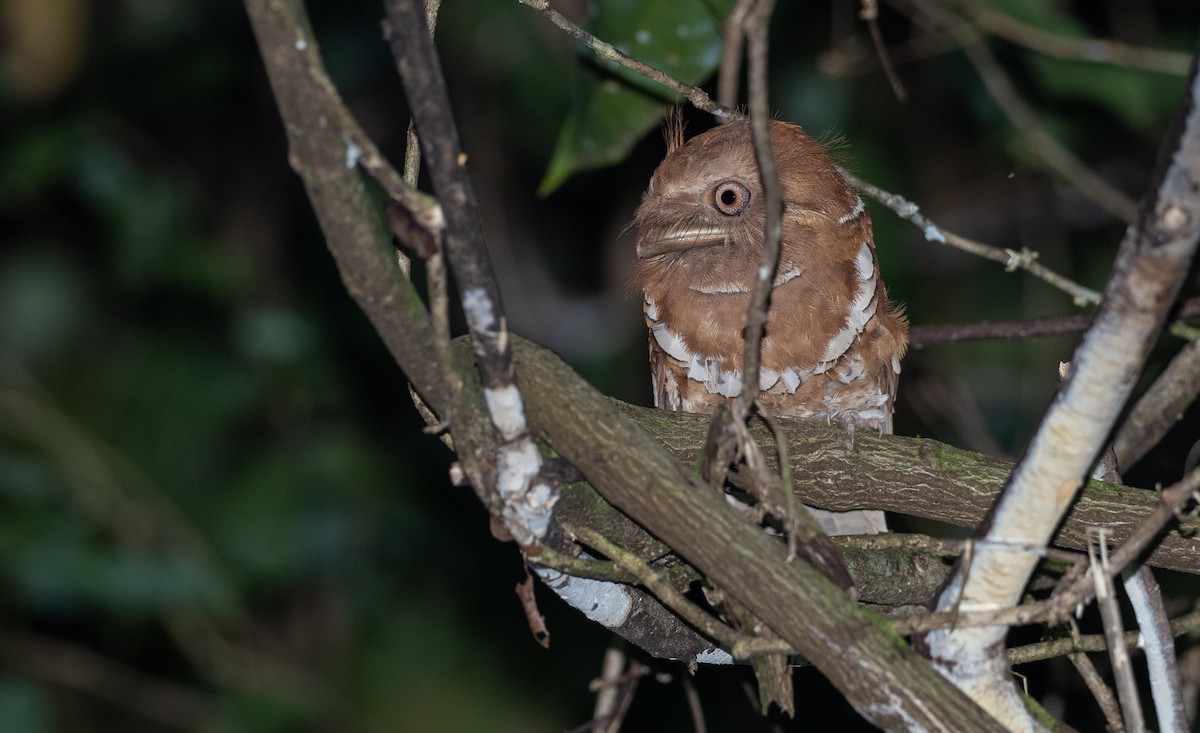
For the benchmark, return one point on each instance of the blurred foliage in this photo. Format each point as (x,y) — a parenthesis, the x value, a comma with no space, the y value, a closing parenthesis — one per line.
(612,108)
(217,509)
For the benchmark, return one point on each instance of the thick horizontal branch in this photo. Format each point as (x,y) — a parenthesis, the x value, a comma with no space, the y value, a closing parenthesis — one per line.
(924,478)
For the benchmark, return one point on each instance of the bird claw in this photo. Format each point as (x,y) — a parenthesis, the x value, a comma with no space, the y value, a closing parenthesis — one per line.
(846,423)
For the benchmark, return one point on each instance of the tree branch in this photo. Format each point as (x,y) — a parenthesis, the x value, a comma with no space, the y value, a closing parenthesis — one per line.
(1011,259)
(607,52)
(1155,638)
(1161,407)
(930,334)
(1151,264)
(1093,50)
(319,153)
(527,498)
(924,478)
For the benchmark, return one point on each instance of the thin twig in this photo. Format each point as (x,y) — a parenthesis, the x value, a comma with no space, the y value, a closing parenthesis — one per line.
(625,695)
(412,155)
(1094,50)
(695,708)
(579,567)
(608,52)
(1011,259)
(439,318)
(1100,691)
(870,14)
(851,59)
(1118,652)
(730,72)
(607,687)
(930,334)
(671,598)
(757,24)
(804,534)
(1067,645)
(412,144)
(791,507)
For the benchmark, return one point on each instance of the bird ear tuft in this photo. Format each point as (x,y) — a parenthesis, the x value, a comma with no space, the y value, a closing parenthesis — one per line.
(673,128)
(837,146)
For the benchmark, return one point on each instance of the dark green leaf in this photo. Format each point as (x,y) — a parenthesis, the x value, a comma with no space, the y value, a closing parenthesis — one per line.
(613,108)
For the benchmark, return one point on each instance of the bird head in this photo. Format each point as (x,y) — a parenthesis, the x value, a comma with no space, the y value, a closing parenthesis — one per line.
(701,219)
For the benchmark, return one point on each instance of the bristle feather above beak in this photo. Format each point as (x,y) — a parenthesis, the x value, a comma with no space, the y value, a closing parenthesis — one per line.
(654,244)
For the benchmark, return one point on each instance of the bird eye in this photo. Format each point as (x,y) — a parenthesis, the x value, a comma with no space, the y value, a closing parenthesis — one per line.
(730,198)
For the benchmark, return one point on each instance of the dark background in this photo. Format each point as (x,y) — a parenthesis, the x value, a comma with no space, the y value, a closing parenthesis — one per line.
(217,509)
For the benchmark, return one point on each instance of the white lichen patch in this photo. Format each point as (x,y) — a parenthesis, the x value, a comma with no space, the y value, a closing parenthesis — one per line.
(528,504)
(507,409)
(605,603)
(861,310)
(714,656)
(481,317)
(516,466)
(353,154)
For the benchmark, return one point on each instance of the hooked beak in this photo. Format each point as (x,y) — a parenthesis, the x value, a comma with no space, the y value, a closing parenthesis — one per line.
(652,244)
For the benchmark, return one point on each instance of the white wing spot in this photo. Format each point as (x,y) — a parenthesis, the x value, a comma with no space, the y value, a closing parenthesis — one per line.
(721,289)
(861,310)
(706,371)
(651,309)
(786,277)
(670,342)
(857,211)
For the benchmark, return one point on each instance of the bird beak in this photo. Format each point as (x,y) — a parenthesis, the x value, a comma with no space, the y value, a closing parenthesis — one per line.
(652,242)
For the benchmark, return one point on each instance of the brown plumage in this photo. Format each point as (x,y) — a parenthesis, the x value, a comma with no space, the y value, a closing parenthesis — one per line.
(833,340)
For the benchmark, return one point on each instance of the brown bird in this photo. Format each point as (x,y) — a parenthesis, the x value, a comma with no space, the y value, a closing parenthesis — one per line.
(833,340)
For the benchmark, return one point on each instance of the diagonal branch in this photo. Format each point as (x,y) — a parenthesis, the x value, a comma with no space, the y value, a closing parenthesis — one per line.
(527,498)
(1092,50)
(1152,261)
(319,153)
(606,51)
(1161,407)
(1011,259)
